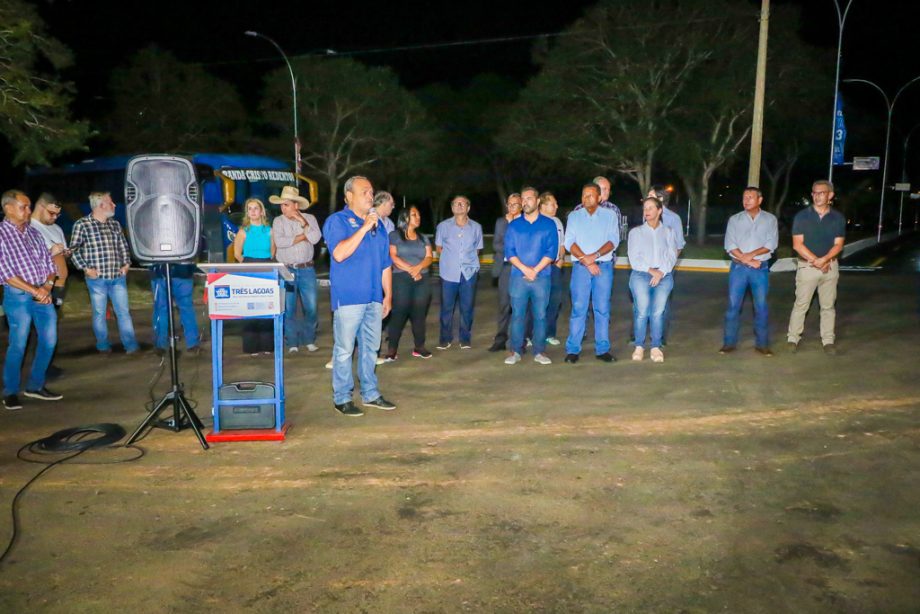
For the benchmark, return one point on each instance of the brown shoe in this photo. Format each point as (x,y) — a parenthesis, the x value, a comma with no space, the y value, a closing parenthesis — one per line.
(726,349)
(792,347)
(766,351)
(830,349)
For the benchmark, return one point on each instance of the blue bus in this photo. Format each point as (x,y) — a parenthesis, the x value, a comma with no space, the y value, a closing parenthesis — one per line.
(225,182)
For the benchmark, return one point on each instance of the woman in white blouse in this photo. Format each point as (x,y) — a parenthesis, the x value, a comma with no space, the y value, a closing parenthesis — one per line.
(652,256)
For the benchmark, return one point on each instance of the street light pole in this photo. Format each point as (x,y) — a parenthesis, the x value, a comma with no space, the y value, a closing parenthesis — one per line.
(841,22)
(759,92)
(890,105)
(293,95)
(904,173)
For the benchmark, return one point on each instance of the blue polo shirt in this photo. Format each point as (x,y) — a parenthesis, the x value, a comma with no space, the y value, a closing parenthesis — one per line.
(531,242)
(357,279)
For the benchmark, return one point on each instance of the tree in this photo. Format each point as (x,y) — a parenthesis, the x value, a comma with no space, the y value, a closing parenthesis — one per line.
(34,101)
(608,88)
(352,117)
(163,104)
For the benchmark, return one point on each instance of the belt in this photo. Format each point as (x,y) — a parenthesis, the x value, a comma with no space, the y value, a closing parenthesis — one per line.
(301,265)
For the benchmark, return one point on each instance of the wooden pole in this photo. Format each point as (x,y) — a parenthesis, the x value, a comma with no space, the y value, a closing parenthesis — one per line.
(759,92)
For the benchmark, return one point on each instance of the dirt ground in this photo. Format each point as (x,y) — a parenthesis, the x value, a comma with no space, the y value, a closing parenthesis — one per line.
(708,483)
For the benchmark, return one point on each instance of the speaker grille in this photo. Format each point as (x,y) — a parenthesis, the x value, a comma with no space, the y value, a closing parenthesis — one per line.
(164,218)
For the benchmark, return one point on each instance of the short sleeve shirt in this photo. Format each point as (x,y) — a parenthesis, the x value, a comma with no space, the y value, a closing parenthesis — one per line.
(412,252)
(51,233)
(460,247)
(819,233)
(357,279)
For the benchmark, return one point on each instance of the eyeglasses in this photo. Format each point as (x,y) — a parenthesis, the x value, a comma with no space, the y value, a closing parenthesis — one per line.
(54,213)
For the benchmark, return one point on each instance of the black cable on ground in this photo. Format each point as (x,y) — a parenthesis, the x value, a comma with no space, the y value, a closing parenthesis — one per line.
(73,442)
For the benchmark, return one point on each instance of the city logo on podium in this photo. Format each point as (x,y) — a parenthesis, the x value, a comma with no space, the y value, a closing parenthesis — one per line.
(221,292)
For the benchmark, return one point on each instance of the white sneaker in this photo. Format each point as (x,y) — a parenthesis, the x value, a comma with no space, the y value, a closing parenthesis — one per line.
(465,346)
(513,359)
(381,360)
(312,347)
(329,364)
(638,353)
(553,341)
(542,359)
(529,343)
(657,355)
(293,349)
(442,346)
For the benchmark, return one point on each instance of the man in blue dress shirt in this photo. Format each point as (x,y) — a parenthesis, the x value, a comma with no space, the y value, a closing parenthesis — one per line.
(750,239)
(458,241)
(591,236)
(531,247)
(361,282)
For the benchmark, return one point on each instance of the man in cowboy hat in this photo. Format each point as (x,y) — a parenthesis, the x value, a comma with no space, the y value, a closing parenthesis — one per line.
(295,233)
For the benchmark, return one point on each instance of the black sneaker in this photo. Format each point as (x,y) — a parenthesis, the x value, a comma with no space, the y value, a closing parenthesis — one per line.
(11,402)
(571,358)
(348,409)
(53,372)
(43,394)
(830,349)
(380,403)
(605,357)
(498,346)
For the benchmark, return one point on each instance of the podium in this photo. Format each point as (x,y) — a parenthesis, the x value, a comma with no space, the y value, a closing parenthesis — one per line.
(240,291)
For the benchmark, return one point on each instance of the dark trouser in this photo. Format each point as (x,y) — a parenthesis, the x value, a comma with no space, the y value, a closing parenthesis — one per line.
(465,290)
(504,304)
(410,302)
(556,298)
(258,334)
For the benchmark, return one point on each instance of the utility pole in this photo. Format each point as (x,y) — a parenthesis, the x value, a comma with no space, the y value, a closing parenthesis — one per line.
(759,92)
(841,22)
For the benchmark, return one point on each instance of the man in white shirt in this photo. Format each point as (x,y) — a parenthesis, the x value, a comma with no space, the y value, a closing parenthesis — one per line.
(44,220)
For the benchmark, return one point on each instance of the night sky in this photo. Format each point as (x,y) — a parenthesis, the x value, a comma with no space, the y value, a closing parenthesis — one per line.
(878,43)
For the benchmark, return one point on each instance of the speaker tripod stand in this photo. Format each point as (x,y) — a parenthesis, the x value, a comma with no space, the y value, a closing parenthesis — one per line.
(183,416)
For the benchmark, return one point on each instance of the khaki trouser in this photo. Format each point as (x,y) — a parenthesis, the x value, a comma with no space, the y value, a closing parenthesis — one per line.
(807,280)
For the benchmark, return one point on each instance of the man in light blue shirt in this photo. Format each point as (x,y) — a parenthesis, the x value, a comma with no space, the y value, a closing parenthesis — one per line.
(591,236)
(750,239)
(531,247)
(458,241)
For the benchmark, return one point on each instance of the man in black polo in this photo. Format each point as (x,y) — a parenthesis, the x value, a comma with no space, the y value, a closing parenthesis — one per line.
(818,233)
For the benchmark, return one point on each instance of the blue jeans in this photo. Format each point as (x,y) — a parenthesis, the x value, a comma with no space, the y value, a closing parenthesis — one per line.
(350,323)
(300,331)
(648,306)
(740,278)
(465,290)
(586,288)
(536,293)
(116,290)
(183,297)
(21,312)
(556,297)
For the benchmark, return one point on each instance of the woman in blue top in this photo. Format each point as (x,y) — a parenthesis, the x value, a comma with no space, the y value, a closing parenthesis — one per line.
(410,251)
(253,243)
(652,249)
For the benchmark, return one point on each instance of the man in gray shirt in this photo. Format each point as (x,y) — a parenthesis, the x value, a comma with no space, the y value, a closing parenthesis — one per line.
(294,234)
(458,240)
(501,270)
(750,239)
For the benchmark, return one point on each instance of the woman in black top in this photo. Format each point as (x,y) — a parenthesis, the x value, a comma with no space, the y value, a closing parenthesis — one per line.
(411,255)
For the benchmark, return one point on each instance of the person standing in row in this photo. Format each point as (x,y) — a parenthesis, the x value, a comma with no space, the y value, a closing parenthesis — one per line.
(548,208)
(295,233)
(501,270)
(100,250)
(28,275)
(384,205)
(531,247)
(652,256)
(751,238)
(591,236)
(458,241)
(361,283)
(44,219)
(818,233)
(670,220)
(253,243)
(410,252)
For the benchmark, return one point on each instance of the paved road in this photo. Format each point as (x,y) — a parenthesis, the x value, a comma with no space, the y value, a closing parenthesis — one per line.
(902,255)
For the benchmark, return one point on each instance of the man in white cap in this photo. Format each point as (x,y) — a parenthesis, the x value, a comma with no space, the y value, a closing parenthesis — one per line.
(295,233)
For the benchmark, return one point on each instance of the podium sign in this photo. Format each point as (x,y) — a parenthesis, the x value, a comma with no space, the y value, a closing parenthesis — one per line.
(244,295)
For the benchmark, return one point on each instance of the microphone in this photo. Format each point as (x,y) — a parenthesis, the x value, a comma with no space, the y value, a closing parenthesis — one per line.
(374,229)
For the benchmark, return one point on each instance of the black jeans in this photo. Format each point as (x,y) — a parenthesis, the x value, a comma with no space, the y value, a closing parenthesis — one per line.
(411,300)
(504,304)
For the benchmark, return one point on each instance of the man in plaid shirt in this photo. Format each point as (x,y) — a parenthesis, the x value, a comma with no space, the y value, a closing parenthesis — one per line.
(101,251)
(28,275)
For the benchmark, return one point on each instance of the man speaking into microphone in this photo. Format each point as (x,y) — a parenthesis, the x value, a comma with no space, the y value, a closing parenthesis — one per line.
(361,295)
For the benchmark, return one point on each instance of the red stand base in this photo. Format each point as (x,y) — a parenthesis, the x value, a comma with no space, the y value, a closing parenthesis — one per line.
(249,435)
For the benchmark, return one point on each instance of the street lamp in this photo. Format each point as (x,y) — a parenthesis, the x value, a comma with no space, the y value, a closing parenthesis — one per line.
(890,104)
(904,173)
(293,95)
(841,21)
